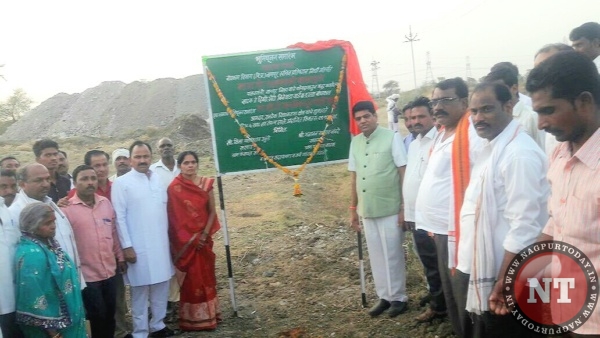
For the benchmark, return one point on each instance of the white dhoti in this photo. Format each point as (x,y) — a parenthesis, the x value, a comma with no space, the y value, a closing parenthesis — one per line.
(384,243)
(156,296)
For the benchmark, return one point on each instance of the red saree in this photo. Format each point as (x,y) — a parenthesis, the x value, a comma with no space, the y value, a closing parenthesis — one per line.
(188,210)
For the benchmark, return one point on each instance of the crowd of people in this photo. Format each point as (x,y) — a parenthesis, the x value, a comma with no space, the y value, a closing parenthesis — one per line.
(70,243)
(482,174)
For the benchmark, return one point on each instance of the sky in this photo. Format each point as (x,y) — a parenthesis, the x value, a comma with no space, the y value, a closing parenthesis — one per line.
(49,47)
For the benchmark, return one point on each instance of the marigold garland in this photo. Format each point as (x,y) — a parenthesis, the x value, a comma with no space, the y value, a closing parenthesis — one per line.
(294,173)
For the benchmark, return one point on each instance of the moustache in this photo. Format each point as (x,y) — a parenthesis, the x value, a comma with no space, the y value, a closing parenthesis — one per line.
(417,125)
(440,113)
(481,124)
(142,164)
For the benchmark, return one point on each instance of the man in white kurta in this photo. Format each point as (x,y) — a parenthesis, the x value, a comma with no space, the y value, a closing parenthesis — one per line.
(504,208)
(9,238)
(140,202)
(34,180)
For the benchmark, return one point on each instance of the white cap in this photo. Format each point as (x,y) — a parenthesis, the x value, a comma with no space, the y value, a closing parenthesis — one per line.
(120,152)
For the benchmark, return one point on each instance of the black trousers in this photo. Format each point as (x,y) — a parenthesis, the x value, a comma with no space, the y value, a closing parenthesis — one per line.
(9,326)
(470,325)
(427,251)
(99,299)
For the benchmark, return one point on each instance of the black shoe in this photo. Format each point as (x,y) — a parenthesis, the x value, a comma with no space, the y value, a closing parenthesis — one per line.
(425,300)
(397,308)
(129,335)
(379,308)
(165,332)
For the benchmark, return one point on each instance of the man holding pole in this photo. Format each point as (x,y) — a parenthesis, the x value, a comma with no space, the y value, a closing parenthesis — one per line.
(377,161)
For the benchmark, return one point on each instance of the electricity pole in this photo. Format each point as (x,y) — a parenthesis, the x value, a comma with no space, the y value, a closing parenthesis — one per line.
(374,79)
(412,38)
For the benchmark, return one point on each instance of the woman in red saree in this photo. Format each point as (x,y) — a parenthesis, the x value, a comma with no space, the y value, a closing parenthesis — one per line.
(192,222)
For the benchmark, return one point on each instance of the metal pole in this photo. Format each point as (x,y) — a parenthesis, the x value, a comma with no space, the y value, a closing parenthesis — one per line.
(227,251)
(362,270)
(412,38)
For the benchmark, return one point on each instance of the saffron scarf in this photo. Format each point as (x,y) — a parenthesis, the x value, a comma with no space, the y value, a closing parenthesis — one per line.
(357,90)
(461,171)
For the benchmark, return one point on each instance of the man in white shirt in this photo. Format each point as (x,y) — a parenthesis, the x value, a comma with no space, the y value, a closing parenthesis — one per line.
(421,118)
(507,74)
(586,40)
(9,238)
(34,180)
(439,198)
(166,167)
(140,202)
(504,209)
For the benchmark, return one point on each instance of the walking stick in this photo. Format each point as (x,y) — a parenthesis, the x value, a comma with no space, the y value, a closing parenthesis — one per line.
(362,270)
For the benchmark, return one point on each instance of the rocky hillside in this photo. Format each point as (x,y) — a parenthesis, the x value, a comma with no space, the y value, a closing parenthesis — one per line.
(113,109)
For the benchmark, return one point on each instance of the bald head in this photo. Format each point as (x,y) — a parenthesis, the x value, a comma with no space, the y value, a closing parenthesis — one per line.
(166,149)
(34,179)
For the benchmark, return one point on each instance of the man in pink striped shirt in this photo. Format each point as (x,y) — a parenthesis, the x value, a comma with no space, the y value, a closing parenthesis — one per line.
(565,90)
(93,220)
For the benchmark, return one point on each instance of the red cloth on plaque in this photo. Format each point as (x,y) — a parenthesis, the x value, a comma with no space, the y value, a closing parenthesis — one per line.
(357,90)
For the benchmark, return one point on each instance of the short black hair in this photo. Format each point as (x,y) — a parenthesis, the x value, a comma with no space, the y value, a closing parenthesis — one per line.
(359,106)
(64,153)
(80,169)
(8,173)
(505,72)
(40,145)
(87,158)
(589,30)
(139,143)
(501,91)
(182,155)
(6,158)
(559,47)
(459,85)
(422,101)
(407,106)
(567,74)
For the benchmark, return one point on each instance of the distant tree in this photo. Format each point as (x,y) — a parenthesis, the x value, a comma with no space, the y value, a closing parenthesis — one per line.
(391,87)
(15,106)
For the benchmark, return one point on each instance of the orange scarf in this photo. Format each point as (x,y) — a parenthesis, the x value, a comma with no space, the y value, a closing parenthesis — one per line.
(461,170)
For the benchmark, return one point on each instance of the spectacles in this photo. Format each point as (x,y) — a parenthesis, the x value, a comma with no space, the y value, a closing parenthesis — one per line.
(443,101)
